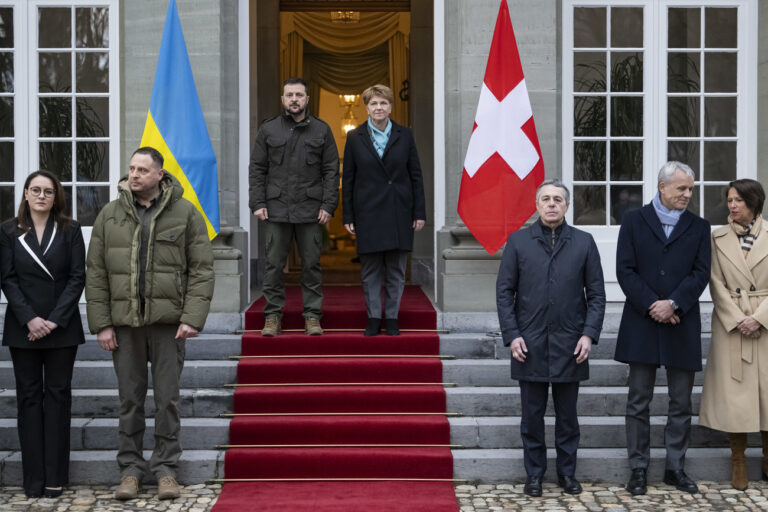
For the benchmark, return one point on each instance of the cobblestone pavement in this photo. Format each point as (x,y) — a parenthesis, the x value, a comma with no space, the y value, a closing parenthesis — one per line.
(715,496)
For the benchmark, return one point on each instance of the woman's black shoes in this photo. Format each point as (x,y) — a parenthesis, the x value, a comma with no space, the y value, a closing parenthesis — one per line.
(374,327)
(391,327)
(53,493)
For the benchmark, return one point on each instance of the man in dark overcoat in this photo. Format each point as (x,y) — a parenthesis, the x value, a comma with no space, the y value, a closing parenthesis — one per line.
(662,265)
(551,301)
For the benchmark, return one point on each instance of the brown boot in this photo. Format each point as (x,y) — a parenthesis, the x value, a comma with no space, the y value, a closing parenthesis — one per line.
(312,326)
(764,435)
(128,489)
(738,442)
(272,326)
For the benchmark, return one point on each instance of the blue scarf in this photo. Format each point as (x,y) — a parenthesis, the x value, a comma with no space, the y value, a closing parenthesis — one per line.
(380,137)
(667,217)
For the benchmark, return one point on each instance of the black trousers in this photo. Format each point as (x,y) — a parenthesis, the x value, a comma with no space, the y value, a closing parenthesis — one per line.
(678,429)
(533,398)
(44,401)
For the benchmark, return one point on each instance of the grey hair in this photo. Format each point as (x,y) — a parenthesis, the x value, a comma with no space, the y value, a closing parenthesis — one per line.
(669,169)
(555,183)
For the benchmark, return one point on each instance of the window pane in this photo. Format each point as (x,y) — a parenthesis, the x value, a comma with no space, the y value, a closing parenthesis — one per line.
(720,117)
(589,71)
(693,204)
(684,28)
(6,203)
(626,72)
(54,27)
(683,73)
(627,160)
(715,206)
(719,161)
(55,117)
(589,27)
(683,117)
(55,72)
(685,151)
(57,158)
(68,200)
(720,72)
(720,27)
(623,200)
(90,200)
(626,116)
(92,117)
(6,161)
(589,205)
(588,116)
(589,160)
(92,161)
(627,27)
(92,27)
(6,117)
(6,27)
(6,72)
(92,72)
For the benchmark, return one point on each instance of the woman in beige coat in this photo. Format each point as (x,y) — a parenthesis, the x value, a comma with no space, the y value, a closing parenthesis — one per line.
(735,395)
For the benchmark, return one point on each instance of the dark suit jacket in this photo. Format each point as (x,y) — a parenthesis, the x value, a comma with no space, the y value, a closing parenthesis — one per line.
(649,267)
(382,196)
(42,281)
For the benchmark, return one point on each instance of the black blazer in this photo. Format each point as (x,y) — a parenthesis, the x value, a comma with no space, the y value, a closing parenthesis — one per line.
(42,281)
(382,196)
(650,267)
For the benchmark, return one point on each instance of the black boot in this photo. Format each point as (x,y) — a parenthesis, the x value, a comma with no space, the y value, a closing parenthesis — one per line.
(374,327)
(391,327)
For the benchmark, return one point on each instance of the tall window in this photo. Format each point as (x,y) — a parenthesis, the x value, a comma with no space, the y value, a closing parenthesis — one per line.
(58,75)
(654,80)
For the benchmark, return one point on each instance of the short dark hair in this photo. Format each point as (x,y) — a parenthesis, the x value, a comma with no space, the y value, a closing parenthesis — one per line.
(751,192)
(152,152)
(296,80)
(59,202)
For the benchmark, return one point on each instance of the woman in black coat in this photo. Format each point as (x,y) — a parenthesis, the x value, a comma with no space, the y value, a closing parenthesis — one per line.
(42,268)
(383,201)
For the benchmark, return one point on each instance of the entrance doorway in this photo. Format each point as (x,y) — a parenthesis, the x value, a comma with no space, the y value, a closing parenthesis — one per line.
(341,48)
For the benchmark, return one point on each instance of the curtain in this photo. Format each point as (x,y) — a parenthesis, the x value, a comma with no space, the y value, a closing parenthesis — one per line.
(348,65)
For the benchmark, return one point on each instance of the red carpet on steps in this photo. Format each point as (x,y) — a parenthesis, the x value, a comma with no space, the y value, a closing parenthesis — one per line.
(312,419)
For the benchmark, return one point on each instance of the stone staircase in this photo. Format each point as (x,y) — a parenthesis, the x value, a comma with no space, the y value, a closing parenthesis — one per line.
(489,425)
(485,397)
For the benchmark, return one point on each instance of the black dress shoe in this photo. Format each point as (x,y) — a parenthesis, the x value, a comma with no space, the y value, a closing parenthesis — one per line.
(680,480)
(390,325)
(569,484)
(533,486)
(38,494)
(52,493)
(638,483)
(374,327)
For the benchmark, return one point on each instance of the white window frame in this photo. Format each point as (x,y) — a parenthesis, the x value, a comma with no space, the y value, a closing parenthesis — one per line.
(654,104)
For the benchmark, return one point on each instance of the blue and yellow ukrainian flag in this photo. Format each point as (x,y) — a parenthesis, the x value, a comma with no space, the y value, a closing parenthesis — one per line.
(176,127)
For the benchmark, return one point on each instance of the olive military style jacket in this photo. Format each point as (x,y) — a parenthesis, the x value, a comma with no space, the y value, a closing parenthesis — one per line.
(179,276)
(294,169)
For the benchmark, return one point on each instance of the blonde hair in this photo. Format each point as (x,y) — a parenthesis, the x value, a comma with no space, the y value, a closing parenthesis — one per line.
(378,90)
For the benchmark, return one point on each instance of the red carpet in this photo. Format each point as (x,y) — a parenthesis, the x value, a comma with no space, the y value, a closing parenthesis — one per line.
(311,419)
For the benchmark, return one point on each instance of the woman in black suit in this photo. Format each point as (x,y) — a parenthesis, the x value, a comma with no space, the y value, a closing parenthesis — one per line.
(42,270)
(383,200)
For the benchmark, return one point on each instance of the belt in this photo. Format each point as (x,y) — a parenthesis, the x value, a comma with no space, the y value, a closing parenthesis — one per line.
(742,348)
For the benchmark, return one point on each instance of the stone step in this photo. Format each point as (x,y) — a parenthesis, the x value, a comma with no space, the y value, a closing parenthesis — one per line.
(101,374)
(488,372)
(101,433)
(480,345)
(99,467)
(593,401)
(596,432)
(205,346)
(104,403)
(598,464)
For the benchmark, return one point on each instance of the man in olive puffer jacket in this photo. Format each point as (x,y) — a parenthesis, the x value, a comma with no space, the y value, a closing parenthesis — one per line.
(148,287)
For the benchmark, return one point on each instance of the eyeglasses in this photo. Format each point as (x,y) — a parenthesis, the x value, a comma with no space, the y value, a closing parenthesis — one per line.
(37,191)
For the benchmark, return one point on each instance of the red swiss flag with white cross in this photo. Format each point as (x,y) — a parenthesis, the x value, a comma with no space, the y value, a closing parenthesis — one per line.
(503,166)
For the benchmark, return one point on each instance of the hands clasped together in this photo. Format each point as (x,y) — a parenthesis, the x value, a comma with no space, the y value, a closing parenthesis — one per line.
(39,328)
(662,312)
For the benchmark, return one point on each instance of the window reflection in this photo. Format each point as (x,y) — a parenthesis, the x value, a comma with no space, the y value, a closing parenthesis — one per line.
(6,27)
(90,200)
(56,157)
(623,200)
(589,205)
(6,203)
(92,27)
(54,27)
(715,204)
(55,117)
(6,117)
